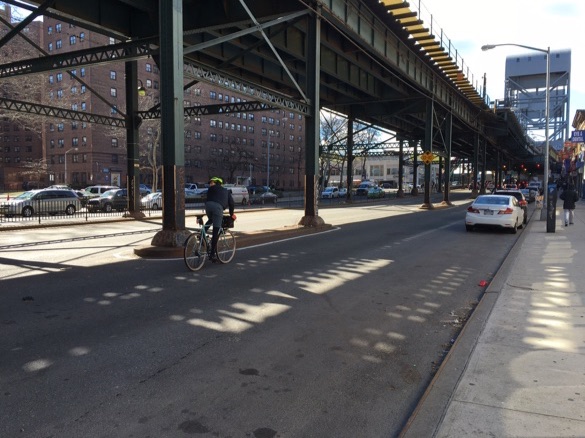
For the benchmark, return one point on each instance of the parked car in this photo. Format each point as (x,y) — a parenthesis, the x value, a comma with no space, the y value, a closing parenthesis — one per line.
(116,199)
(97,191)
(144,189)
(530,195)
(363,188)
(376,192)
(195,196)
(517,193)
(152,201)
(197,187)
(342,192)
(239,193)
(330,192)
(43,201)
(496,211)
(265,198)
(82,195)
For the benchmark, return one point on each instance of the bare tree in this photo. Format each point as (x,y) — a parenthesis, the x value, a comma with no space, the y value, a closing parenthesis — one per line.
(36,170)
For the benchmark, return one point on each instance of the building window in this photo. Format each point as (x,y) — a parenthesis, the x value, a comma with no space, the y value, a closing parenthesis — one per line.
(113,92)
(51,79)
(82,36)
(212,137)
(112,75)
(58,27)
(50,30)
(75,141)
(213,123)
(72,40)
(114,158)
(212,95)
(82,72)
(148,67)
(58,44)
(114,142)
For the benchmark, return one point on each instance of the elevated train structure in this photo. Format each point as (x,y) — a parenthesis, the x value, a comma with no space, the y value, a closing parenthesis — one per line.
(377,61)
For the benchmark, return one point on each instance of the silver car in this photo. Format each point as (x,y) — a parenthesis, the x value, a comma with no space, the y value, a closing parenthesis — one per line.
(45,201)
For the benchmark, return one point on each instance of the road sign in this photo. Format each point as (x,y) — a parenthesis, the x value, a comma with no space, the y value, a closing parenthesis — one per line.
(578,137)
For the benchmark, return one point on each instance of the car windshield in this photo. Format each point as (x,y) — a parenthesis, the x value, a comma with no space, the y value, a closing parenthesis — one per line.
(26,195)
(109,193)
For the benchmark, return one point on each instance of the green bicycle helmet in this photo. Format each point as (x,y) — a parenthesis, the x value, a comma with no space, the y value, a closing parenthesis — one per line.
(216,179)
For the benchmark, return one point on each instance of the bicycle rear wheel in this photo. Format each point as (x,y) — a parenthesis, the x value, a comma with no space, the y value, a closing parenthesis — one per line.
(195,252)
(226,247)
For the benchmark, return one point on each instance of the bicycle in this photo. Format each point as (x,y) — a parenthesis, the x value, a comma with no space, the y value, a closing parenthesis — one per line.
(198,244)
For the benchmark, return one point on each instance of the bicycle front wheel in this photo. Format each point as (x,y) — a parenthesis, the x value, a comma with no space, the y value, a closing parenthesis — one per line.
(226,247)
(195,252)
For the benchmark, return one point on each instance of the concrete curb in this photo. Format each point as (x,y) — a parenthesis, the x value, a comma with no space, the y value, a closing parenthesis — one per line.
(243,240)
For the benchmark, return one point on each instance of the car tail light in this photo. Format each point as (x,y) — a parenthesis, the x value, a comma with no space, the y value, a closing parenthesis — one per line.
(508,210)
(523,203)
(472,209)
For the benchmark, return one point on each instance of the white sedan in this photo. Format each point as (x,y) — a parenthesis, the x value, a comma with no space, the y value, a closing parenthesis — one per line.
(495,211)
(330,192)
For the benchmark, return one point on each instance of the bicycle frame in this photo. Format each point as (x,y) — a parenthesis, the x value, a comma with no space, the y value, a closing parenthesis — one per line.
(197,246)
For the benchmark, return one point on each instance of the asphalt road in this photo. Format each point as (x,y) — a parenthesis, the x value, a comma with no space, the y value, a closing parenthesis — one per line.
(330,335)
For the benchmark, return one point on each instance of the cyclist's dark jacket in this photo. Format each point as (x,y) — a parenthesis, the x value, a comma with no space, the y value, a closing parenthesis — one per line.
(222,196)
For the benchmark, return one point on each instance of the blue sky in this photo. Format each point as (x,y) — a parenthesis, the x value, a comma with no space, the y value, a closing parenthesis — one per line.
(536,23)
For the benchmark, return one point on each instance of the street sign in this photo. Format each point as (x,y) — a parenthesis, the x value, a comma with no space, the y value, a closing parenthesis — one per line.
(578,137)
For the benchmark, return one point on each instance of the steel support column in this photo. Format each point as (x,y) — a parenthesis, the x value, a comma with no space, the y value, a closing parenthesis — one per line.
(350,155)
(414,145)
(483,145)
(132,139)
(440,178)
(400,193)
(475,164)
(428,147)
(448,146)
(173,233)
(312,138)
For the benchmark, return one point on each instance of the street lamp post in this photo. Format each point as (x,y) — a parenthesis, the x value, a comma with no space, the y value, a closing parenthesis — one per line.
(66,152)
(544,211)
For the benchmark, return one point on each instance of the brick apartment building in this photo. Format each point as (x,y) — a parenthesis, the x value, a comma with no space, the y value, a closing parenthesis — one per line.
(234,146)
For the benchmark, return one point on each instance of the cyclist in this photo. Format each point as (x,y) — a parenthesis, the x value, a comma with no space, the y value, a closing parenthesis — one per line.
(218,199)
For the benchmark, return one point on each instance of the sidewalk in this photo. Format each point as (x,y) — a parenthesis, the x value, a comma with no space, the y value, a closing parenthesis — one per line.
(518,367)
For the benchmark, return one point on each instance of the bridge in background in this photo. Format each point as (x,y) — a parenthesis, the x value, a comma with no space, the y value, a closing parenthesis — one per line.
(380,62)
